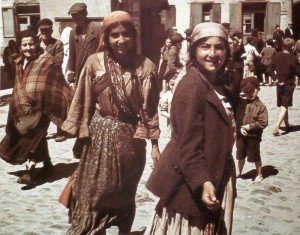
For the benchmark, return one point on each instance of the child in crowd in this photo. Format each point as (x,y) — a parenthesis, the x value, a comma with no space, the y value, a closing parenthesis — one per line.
(249,56)
(166,99)
(267,53)
(252,118)
(283,69)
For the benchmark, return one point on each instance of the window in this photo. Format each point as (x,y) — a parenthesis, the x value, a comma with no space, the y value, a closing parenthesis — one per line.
(253,17)
(207,10)
(8,22)
(247,23)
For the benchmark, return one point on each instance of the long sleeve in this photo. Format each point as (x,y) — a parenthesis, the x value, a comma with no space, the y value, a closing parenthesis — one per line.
(81,108)
(256,52)
(148,128)
(262,119)
(72,53)
(59,53)
(297,67)
(187,118)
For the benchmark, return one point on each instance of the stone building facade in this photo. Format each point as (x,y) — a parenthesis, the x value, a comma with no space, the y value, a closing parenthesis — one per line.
(243,15)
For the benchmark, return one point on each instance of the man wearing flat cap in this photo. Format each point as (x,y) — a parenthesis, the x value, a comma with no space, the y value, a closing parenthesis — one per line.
(188,33)
(84,41)
(184,51)
(55,48)
(51,45)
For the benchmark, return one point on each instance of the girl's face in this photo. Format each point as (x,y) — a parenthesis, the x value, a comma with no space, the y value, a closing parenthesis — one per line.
(211,54)
(120,40)
(168,42)
(171,84)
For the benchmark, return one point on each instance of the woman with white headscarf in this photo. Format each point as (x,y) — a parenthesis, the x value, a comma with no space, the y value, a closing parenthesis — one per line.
(195,176)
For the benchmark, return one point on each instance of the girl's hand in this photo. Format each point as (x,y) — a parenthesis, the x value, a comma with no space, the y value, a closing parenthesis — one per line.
(155,153)
(209,196)
(246,127)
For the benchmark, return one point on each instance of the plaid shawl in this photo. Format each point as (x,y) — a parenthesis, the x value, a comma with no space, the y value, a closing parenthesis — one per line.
(40,87)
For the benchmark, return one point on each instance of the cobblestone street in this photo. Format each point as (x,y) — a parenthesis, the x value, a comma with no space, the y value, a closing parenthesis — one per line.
(269,207)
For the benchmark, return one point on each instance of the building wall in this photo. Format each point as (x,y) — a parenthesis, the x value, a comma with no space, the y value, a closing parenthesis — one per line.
(183,10)
(182,14)
(54,8)
(3,41)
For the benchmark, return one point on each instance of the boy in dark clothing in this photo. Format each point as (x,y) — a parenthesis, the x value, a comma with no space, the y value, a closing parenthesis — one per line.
(283,69)
(252,118)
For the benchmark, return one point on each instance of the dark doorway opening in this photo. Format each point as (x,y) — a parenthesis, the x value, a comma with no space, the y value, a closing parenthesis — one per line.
(296,19)
(259,19)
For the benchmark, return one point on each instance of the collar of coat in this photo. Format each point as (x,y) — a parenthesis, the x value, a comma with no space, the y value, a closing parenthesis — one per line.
(212,97)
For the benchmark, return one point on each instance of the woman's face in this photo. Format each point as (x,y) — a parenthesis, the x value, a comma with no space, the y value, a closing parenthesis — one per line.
(120,40)
(28,47)
(168,42)
(211,54)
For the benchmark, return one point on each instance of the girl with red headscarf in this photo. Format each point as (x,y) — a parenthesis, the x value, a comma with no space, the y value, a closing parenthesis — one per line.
(114,110)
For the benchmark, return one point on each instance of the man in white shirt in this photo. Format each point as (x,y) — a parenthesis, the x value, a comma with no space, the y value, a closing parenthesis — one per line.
(288,33)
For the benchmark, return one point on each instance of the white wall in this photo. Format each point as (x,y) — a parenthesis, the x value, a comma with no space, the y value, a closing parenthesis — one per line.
(3,41)
(182,14)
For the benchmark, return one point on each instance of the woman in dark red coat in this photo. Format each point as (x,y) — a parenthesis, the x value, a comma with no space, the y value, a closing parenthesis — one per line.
(195,176)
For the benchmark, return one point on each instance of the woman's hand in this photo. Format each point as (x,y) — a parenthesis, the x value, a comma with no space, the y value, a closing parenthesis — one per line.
(155,153)
(244,132)
(209,196)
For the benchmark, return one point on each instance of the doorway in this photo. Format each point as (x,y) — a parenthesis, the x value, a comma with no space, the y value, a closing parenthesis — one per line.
(296,19)
(253,17)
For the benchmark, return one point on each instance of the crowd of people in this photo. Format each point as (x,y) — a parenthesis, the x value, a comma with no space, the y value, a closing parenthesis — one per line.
(109,98)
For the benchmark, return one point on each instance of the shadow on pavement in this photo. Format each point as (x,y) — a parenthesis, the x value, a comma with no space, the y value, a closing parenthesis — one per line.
(267,171)
(291,129)
(61,170)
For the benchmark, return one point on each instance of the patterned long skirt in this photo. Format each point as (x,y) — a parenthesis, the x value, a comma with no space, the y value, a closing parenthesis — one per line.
(172,223)
(105,184)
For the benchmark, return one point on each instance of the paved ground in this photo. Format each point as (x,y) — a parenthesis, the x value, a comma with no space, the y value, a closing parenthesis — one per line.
(271,207)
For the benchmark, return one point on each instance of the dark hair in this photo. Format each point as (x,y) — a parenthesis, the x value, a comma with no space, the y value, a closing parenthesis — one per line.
(193,57)
(26,34)
(170,75)
(249,40)
(164,47)
(12,43)
(254,32)
(270,42)
(127,25)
